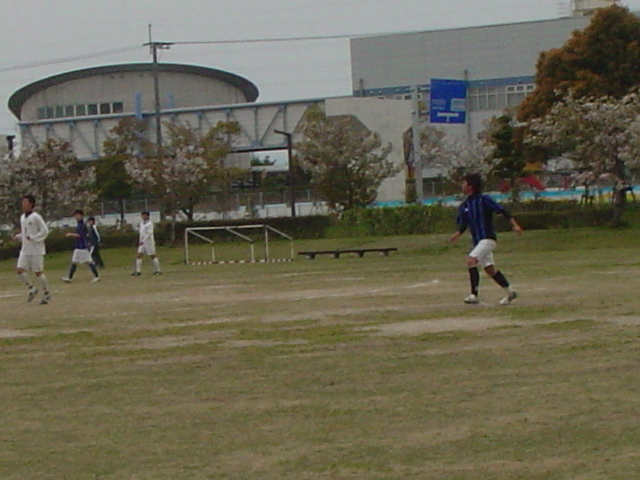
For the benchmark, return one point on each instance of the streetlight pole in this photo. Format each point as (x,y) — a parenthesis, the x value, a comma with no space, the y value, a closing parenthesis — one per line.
(292,191)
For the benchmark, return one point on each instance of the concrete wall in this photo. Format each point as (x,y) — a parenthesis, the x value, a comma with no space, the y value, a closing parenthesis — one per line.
(389,118)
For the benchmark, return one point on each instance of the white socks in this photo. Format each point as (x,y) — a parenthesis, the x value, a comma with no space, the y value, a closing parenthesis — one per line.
(24,276)
(154,261)
(44,283)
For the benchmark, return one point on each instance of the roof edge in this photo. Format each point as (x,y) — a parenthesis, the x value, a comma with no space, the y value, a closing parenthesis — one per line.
(18,99)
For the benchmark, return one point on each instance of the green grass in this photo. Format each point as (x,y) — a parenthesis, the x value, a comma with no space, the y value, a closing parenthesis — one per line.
(354,368)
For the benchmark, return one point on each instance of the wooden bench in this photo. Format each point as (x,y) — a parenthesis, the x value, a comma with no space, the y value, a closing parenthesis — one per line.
(359,251)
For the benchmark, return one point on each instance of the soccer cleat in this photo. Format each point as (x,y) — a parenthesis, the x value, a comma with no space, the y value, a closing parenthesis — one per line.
(136,274)
(472,299)
(33,291)
(509,298)
(157,273)
(45,299)
(66,279)
(95,279)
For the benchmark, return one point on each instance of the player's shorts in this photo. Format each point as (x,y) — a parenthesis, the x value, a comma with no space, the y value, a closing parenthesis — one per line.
(147,248)
(31,263)
(483,251)
(81,255)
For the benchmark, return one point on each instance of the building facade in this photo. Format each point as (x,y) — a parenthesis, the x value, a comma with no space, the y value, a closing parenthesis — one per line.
(83,105)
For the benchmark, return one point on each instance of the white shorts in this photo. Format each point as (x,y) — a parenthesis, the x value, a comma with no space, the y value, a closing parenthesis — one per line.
(483,251)
(81,255)
(147,248)
(31,263)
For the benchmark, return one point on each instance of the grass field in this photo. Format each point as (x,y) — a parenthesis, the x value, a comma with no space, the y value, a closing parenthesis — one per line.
(366,368)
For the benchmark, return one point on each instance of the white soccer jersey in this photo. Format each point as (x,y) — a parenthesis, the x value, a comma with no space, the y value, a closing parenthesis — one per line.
(146,233)
(33,232)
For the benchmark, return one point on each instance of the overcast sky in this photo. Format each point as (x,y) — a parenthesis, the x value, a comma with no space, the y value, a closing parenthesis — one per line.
(44,31)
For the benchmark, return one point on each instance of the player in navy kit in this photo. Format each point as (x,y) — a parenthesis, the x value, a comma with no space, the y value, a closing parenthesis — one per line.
(476,214)
(81,253)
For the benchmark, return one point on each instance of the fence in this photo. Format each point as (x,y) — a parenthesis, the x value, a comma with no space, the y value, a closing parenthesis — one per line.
(219,206)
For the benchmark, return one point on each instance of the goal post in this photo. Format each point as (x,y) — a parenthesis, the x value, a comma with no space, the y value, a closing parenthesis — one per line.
(261,236)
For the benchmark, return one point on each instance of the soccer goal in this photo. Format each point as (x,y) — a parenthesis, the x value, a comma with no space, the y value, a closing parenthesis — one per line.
(239,243)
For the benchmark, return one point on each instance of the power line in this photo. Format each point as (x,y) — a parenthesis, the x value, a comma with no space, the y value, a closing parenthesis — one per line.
(89,56)
(292,39)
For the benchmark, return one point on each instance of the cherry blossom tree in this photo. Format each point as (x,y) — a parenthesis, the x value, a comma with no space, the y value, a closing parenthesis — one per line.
(346,161)
(600,135)
(53,174)
(452,157)
(193,165)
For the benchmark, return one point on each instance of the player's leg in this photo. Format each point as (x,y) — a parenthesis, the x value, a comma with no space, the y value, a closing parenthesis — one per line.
(21,269)
(44,283)
(500,279)
(76,258)
(138,262)
(97,258)
(94,270)
(156,264)
(474,279)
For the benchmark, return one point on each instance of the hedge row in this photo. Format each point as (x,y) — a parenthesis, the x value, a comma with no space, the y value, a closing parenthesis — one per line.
(407,220)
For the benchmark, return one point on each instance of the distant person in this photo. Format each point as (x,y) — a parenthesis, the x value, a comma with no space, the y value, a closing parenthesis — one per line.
(94,242)
(476,213)
(33,233)
(146,246)
(81,253)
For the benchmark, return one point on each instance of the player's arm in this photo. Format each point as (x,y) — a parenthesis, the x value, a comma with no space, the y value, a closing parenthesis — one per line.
(43,231)
(515,226)
(496,207)
(462,227)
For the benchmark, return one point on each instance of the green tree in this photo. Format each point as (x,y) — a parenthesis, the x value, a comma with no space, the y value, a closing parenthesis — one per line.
(508,157)
(347,162)
(127,139)
(601,60)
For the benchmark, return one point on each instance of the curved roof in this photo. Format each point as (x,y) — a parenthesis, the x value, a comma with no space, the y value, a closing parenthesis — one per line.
(17,100)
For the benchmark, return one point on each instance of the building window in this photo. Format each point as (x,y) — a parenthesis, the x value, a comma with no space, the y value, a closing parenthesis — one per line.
(42,113)
(69,111)
(48,112)
(118,107)
(92,109)
(59,111)
(105,108)
(81,110)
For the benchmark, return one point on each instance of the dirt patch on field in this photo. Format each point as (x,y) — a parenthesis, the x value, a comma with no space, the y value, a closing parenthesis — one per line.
(417,327)
(5,333)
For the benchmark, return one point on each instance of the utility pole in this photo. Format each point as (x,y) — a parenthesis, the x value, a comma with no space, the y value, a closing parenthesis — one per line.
(154,47)
(292,187)
(417,150)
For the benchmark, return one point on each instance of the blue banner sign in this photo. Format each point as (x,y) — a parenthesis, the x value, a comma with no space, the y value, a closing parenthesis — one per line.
(448,101)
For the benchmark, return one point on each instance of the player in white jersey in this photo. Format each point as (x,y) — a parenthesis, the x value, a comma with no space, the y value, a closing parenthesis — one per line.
(146,246)
(33,232)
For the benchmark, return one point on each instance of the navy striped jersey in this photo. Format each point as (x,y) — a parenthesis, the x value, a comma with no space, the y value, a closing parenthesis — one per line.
(82,239)
(476,213)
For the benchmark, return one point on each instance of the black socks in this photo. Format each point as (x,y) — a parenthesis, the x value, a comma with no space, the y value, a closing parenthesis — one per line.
(474,278)
(500,279)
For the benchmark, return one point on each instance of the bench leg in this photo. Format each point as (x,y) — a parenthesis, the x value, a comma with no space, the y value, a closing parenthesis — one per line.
(336,255)
(360,254)
(312,256)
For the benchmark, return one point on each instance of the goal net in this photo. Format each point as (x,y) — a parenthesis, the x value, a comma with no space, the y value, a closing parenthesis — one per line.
(236,244)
